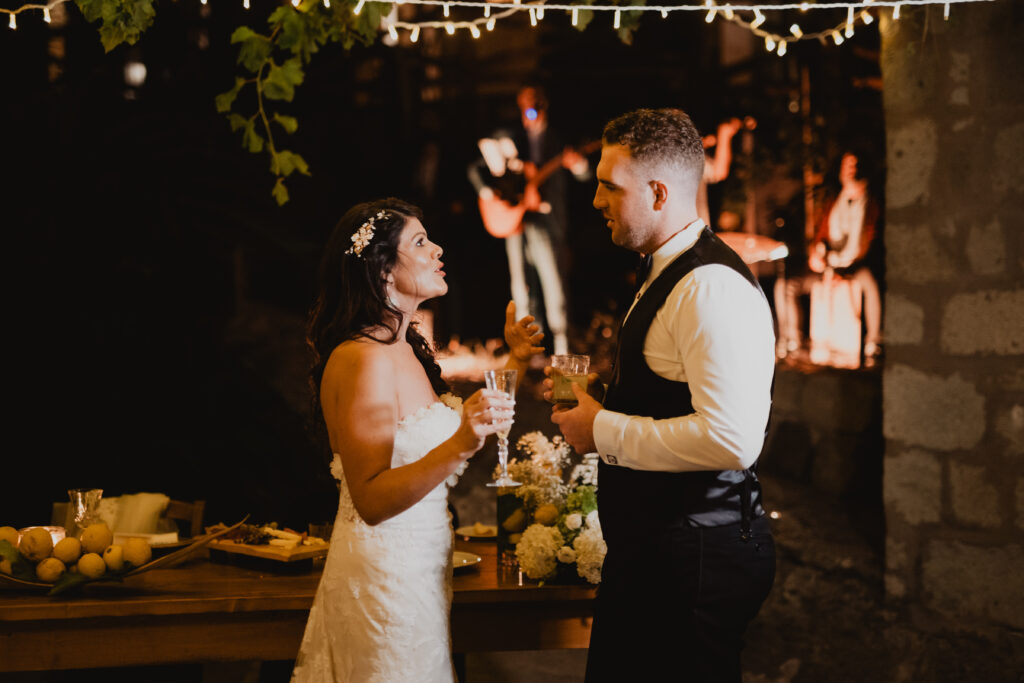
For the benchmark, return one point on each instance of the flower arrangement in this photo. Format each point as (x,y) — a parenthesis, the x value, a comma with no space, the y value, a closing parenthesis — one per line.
(552,523)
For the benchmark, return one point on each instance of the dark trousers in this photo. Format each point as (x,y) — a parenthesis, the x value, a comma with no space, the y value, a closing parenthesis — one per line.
(674,607)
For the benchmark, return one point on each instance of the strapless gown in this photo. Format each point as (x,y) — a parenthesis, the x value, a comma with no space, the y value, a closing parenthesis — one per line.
(381,610)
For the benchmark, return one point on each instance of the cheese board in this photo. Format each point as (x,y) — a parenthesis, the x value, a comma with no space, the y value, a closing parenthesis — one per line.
(270,552)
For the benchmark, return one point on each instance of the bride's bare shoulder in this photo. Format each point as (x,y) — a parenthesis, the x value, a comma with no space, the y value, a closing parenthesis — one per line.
(360,355)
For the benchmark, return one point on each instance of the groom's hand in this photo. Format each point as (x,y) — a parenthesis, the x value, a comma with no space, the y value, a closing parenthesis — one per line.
(577,424)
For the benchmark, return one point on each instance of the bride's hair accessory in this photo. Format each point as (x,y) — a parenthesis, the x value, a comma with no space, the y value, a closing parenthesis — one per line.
(364,234)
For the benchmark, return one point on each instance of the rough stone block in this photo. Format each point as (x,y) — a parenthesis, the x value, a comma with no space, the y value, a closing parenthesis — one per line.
(904,321)
(941,413)
(1010,425)
(911,153)
(959,579)
(975,500)
(916,255)
(986,248)
(1020,502)
(984,322)
(912,486)
(1007,174)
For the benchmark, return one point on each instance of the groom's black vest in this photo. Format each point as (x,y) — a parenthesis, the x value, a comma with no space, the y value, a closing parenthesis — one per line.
(635,503)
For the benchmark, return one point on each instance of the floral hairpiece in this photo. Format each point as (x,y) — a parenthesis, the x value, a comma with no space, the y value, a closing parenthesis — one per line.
(364,234)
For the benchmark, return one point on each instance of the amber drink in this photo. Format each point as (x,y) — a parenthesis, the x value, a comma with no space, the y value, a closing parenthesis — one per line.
(566,370)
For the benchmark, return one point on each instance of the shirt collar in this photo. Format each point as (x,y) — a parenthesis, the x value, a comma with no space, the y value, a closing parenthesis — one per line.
(676,245)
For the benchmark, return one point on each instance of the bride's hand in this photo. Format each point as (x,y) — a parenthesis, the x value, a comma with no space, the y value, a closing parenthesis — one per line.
(522,336)
(486,412)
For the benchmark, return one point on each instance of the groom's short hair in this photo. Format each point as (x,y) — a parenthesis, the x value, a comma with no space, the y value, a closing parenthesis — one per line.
(660,137)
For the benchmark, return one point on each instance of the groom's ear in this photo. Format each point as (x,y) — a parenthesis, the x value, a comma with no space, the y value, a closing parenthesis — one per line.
(660,192)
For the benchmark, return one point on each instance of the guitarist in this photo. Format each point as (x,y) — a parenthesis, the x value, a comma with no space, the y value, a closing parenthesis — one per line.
(500,177)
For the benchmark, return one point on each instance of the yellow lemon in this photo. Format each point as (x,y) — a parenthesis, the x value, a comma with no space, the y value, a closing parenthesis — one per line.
(546,515)
(36,544)
(5,565)
(67,550)
(96,538)
(137,551)
(9,534)
(515,522)
(49,570)
(91,565)
(113,557)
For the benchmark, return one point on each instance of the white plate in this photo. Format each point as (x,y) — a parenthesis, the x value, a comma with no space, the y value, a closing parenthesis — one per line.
(461,559)
(470,531)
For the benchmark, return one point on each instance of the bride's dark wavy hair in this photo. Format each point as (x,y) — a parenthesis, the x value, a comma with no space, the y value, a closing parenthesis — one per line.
(352,298)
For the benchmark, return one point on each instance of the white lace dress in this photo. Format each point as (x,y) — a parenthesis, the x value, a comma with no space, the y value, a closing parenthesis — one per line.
(381,611)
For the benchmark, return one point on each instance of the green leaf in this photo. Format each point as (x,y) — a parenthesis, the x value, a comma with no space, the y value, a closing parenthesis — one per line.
(20,567)
(241,34)
(280,192)
(226,99)
(254,50)
(67,581)
(289,123)
(90,9)
(252,140)
(284,163)
(281,80)
(237,121)
(583,18)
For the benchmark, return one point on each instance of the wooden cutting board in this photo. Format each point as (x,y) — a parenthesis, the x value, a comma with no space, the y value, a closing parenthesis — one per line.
(271,552)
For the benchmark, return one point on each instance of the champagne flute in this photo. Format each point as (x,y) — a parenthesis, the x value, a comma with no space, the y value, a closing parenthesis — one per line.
(502,380)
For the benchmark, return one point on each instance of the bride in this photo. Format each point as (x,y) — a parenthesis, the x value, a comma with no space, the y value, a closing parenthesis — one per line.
(381,610)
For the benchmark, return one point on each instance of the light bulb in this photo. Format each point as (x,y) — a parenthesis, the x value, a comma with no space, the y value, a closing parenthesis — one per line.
(490,24)
(540,14)
(474,31)
(447,9)
(245,4)
(359,7)
(392,32)
(769,43)
(327,4)
(13,23)
(711,15)
(728,13)
(896,13)
(618,19)
(782,47)
(945,11)
(664,13)
(575,16)
(795,30)
(866,17)
(533,17)
(837,38)
(295,3)
(415,35)
(450,28)
(758,19)
(487,11)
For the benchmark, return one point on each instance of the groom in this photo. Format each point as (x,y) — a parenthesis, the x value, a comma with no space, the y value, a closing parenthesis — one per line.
(690,551)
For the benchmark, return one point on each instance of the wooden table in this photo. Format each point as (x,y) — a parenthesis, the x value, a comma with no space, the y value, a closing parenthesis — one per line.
(204,612)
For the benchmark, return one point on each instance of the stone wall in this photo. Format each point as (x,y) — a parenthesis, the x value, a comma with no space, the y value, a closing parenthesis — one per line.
(953,387)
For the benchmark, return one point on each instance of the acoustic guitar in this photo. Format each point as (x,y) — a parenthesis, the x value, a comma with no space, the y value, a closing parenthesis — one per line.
(501,217)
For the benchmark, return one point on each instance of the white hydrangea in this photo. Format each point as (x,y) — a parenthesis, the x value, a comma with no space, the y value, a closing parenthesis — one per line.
(590,551)
(573,521)
(593,521)
(586,471)
(566,555)
(537,549)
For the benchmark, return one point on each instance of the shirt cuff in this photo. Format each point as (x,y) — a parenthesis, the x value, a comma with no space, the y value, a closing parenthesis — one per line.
(609,431)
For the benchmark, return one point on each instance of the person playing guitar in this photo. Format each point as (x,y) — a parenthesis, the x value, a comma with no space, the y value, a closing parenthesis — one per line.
(520,181)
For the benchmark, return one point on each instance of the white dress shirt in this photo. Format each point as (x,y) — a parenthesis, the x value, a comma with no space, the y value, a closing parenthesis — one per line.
(715,332)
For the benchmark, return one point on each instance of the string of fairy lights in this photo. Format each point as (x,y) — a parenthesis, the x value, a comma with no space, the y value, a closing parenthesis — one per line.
(492,12)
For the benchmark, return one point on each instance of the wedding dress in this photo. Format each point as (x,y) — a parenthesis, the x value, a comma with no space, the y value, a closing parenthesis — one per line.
(381,611)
